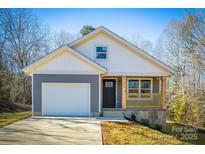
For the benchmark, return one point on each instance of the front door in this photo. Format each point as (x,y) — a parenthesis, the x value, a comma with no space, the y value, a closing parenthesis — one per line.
(109,93)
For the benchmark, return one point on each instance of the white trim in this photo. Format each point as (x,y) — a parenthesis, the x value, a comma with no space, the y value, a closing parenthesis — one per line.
(43,59)
(69,50)
(99,78)
(95,51)
(139,74)
(160,86)
(46,83)
(151,91)
(116,86)
(102,69)
(32,96)
(120,39)
(65,72)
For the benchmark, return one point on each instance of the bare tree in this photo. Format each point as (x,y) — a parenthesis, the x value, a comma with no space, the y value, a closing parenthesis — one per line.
(24,42)
(181,46)
(63,38)
(24,38)
(139,41)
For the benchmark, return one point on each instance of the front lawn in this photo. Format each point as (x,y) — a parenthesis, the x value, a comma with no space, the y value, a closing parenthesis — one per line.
(8,118)
(188,133)
(119,133)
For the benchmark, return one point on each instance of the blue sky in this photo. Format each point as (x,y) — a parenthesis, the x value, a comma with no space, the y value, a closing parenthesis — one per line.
(147,22)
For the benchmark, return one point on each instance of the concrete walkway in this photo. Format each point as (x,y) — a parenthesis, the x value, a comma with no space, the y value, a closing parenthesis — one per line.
(74,131)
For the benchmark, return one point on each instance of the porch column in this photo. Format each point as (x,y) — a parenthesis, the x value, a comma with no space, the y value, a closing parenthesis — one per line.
(163,91)
(124,92)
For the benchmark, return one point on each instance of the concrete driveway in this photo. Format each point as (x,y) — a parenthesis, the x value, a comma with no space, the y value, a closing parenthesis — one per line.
(52,131)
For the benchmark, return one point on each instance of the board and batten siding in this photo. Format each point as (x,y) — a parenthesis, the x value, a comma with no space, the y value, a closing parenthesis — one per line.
(120,59)
(156,85)
(66,63)
(38,79)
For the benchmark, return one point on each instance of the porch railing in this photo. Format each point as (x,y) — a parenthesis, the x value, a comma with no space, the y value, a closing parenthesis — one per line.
(153,100)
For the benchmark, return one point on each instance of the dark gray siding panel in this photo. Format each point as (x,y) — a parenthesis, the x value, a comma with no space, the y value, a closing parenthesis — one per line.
(119,93)
(65,78)
(155,85)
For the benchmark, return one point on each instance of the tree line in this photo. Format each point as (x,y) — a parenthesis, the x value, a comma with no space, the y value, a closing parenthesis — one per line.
(23,40)
(182,46)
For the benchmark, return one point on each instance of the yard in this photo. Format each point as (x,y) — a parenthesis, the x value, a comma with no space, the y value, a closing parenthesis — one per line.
(127,133)
(116,133)
(7,118)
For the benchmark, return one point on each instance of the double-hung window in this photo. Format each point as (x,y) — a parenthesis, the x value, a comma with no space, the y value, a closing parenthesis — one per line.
(139,88)
(133,88)
(101,52)
(145,88)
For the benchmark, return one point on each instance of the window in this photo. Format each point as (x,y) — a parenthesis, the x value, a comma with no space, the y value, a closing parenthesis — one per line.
(101,52)
(108,84)
(145,88)
(133,89)
(139,88)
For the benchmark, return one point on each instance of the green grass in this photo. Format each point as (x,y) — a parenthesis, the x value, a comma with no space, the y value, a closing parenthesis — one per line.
(131,133)
(9,118)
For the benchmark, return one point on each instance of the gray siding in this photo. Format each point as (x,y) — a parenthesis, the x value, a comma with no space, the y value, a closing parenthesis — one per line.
(119,93)
(155,85)
(38,79)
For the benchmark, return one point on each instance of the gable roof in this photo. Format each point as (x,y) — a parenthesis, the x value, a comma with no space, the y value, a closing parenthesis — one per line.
(123,41)
(28,70)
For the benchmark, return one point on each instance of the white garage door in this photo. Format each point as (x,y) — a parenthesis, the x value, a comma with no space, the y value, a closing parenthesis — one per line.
(66,99)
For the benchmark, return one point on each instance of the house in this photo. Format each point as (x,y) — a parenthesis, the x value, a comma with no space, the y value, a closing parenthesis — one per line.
(97,73)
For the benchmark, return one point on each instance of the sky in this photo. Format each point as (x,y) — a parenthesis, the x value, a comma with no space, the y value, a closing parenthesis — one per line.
(149,23)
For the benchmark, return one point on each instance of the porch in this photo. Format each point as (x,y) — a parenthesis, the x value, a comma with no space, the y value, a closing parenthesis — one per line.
(132,93)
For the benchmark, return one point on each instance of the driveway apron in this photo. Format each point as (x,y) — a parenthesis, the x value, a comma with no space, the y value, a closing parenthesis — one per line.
(72,130)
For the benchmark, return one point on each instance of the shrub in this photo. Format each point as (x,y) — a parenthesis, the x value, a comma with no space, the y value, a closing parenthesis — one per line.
(133,117)
(157,127)
(145,122)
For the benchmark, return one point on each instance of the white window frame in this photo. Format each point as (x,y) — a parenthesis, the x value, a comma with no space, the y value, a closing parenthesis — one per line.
(139,79)
(95,51)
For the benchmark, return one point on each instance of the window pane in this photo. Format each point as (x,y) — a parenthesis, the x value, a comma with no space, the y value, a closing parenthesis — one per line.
(108,84)
(145,91)
(104,49)
(133,83)
(147,95)
(133,95)
(145,84)
(133,90)
(101,56)
(98,49)
(101,49)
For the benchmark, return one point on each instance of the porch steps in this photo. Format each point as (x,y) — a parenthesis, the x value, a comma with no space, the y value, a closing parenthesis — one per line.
(113,113)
